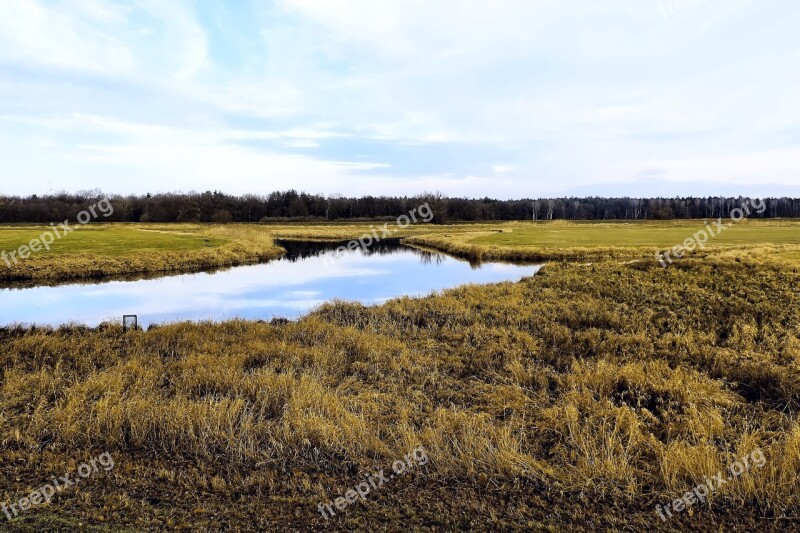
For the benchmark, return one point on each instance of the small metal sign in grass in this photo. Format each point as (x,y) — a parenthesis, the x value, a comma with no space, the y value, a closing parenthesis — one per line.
(130,322)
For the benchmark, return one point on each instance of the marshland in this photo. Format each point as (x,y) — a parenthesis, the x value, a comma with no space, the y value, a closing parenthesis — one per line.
(580,397)
(399,266)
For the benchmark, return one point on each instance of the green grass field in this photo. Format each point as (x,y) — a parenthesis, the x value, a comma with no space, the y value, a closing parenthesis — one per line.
(642,234)
(112,240)
(115,240)
(94,252)
(116,249)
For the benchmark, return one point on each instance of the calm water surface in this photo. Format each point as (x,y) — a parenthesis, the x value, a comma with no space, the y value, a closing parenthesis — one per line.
(310,274)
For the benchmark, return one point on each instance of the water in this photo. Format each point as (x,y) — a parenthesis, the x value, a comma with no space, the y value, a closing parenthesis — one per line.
(310,274)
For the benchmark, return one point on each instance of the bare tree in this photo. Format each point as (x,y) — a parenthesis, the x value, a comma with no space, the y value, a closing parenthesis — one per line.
(438,205)
(334,196)
(637,208)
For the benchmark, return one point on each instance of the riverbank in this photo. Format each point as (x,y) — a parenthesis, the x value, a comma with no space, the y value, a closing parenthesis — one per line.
(122,250)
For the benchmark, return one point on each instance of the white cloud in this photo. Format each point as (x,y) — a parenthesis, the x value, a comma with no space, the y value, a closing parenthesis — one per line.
(472,97)
(503,169)
(30,31)
(103,37)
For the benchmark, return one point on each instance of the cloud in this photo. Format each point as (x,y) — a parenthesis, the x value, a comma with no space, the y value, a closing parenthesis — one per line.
(61,37)
(144,37)
(503,169)
(472,97)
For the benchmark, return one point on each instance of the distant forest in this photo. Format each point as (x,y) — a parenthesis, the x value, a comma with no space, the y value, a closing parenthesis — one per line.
(291,205)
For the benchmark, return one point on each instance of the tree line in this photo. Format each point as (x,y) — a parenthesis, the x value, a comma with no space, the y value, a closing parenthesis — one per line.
(299,206)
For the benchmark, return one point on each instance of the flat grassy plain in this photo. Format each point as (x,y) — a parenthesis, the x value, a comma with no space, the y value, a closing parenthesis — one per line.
(114,240)
(774,240)
(577,399)
(661,234)
(99,251)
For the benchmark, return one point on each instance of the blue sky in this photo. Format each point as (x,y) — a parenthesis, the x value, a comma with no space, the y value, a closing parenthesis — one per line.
(502,98)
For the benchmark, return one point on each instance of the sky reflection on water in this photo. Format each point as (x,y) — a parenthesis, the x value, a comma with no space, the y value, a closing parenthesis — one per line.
(288,287)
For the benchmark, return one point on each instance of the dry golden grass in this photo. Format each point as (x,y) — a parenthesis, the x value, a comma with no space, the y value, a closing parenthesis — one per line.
(579,399)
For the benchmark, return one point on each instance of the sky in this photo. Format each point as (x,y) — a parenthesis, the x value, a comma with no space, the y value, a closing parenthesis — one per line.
(471,98)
